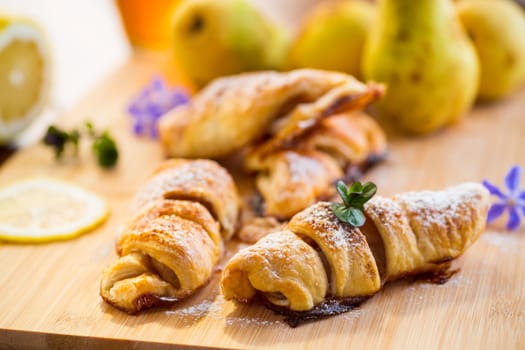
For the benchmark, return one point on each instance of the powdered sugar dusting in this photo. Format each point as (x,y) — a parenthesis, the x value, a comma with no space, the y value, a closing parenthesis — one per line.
(215,308)
(439,207)
(193,175)
(206,307)
(320,219)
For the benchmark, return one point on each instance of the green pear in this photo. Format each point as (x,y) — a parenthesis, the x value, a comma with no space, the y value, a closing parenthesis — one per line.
(215,38)
(332,37)
(497,29)
(420,50)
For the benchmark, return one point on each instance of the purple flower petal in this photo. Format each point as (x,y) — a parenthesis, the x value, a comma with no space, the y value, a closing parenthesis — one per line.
(138,128)
(512,180)
(154,132)
(158,84)
(514,219)
(495,211)
(179,97)
(134,110)
(493,189)
(152,102)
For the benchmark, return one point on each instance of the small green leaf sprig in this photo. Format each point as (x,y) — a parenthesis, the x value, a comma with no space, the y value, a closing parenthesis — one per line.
(354,198)
(104,146)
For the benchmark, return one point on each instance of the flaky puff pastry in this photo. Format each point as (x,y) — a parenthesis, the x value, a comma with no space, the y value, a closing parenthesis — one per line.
(350,138)
(291,177)
(294,180)
(232,112)
(201,180)
(421,230)
(172,243)
(407,234)
(282,267)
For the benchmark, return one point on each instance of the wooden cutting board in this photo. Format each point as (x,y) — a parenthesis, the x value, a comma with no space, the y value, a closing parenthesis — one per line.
(49,293)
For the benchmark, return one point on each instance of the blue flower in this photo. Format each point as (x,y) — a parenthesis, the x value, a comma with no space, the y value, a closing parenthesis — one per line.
(151,103)
(513,202)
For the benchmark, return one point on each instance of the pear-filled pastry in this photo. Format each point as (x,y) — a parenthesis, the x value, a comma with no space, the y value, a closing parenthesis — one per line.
(233,112)
(292,175)
(174,239)
(318,259)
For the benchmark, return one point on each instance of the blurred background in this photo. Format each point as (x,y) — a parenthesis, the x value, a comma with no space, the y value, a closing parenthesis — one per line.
(88,38)
(411,47)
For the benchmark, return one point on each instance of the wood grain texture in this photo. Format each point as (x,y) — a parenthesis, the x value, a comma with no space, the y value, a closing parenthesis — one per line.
(49,293)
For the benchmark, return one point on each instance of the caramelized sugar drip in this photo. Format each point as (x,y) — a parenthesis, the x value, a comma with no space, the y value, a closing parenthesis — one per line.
(329,307)
(438,276)
(354,172)
(147,301)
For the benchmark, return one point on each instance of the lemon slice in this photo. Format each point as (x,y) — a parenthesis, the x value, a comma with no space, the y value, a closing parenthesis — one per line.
(24,75)
(42,210)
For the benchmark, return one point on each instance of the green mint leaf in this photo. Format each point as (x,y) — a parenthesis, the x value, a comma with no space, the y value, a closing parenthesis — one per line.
(57,139)
(340,211)
(104,146)
(343,192)
(106,151)
(355,217)
(356,187)
(354,198)
(352,216)
(369,190)
(90,129)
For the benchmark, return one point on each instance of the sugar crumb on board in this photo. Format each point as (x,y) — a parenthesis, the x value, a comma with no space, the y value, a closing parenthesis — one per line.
(214,309)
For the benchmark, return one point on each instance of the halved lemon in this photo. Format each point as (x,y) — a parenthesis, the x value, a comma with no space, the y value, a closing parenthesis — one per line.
(24,75)
(43,210)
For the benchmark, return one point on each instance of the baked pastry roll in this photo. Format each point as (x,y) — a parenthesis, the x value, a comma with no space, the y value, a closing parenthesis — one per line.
(286,124)
(282,267)
(290,181)
(173,242)
(411,233)
(202,181)
(291,177)
(421,230)
(233,112)
(350,138)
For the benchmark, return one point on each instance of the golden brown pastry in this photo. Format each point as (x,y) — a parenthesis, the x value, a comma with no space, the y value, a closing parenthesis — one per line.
(232,112)
(290,181)
(350,138)
(173,242)
(292,177)
(318,257)
(203,181)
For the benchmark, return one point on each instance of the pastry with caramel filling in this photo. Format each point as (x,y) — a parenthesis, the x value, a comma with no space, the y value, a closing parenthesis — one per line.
(291,177)
(297,131)
(174,239)
(233,112)
(317,257)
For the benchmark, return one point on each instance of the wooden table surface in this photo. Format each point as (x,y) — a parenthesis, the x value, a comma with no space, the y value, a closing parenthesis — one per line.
(49,293)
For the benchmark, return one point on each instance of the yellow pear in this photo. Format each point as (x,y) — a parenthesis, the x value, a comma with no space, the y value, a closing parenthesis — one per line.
(497,29)
(420,50)
(332,37)
(215,38)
